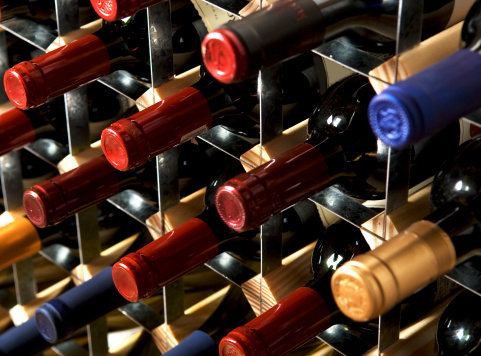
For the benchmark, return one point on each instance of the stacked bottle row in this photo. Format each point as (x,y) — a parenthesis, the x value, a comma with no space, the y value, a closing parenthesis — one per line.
(342,150)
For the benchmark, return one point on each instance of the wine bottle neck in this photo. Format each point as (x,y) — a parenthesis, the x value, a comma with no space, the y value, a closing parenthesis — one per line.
(333,157)
(139,274)
(53,200)
(212,91)
(271,332)
(455,221)
(220,230)
(60,317)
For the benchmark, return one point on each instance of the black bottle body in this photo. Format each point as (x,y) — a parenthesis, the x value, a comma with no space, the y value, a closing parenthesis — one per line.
(459,329)
(291,27)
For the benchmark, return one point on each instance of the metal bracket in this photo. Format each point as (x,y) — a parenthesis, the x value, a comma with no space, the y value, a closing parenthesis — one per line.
(410,17)
(162,70)
(67,16)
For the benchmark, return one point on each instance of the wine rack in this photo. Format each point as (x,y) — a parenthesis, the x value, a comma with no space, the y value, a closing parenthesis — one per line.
(141,208)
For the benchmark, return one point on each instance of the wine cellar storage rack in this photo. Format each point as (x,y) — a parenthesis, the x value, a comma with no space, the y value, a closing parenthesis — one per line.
(139,208)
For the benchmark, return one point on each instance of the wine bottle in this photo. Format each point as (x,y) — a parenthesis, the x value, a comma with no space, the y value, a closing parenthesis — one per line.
(27,339)
(138,236)
(51,201)
(130,142)
(373,283)
(117,45)
(182,249)
(237,50)
(21,238)
(19,128)
(58,318)
(304,313)
(431,99)
(458,332)
(340,149)
(139,274)
(311,309)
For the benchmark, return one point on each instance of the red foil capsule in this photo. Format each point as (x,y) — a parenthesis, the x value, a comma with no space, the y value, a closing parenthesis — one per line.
(31,83)
(224,56)
(294,320)
(249,199)
(139,274)
(16,130)
(130,143)
(112,10)
(52,200)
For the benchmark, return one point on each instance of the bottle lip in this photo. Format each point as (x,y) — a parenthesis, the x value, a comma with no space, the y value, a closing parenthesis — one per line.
(127,276)
(243,202)
(242,341)
(53,321)
(44,204)
(225,56)
(231,206)
(356,290)
(392,115)
(35,208)
(124,145)
(25,85)
(111,10)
